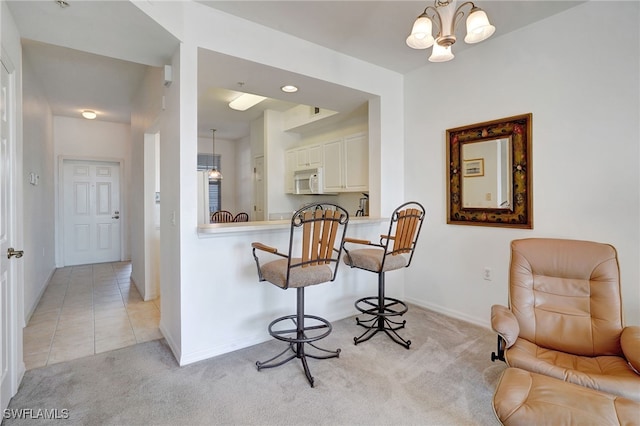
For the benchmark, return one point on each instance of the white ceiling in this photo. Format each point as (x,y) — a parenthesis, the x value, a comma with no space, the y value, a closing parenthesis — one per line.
(375,31)
(93,54)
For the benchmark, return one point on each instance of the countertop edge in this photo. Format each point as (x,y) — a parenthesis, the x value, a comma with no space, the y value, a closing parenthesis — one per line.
(237,228)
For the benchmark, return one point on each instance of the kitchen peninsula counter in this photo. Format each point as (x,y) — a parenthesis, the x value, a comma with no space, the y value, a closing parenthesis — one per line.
(224,229)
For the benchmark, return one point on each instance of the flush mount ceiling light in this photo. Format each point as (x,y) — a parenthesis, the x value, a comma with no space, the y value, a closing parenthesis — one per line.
(62,3)
(89,115)
(447,16)
(289,88)
(245,101)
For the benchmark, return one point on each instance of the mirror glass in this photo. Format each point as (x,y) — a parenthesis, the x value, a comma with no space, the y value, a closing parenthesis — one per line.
(486,174)
(490,174)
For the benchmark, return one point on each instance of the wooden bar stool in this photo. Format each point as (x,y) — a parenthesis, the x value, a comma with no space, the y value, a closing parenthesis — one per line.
(321,228)
(394,251)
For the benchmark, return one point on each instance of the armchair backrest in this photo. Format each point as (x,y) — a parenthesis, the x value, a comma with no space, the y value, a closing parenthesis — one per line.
(566,295)
(404,229)
(323,227)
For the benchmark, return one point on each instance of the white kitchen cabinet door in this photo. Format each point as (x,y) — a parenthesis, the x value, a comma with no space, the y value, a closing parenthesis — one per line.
(308,157)
(333,166)
(356,161)
(290,165)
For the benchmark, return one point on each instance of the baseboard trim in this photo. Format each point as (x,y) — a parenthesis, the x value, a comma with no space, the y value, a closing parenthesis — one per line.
(245,342)
(484,322)
(32,309)
(175,349)
(222,349)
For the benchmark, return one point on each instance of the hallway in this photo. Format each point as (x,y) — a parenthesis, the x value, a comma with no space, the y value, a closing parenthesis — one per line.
(88,309)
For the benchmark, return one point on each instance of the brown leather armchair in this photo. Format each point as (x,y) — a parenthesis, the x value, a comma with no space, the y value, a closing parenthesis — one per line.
(564,318)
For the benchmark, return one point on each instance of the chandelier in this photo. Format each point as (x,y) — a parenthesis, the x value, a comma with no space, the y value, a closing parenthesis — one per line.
(447,16)
(214,173)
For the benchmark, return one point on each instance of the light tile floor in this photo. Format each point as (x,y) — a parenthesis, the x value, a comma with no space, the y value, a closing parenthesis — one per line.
(86,310)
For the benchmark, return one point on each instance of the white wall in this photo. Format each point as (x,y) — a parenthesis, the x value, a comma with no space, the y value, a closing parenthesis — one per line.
(39,206)
(94,139)
(582,89)
(210,284)
(144,235)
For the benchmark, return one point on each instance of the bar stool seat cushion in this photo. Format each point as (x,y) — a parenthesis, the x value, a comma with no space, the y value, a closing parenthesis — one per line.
(526,398)
(371,259)
(276,273)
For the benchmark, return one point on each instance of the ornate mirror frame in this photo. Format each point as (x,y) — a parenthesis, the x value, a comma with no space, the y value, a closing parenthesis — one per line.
(519,214)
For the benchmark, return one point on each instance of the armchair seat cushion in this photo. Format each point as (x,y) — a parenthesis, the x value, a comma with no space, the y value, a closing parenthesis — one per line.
(276,273)
(371,260)
(525,398)
(610,374)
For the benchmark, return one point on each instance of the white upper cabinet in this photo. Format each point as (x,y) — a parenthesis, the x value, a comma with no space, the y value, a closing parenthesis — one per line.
(333,166)
(345,163)
(308,157)
(356,161)
(290,162)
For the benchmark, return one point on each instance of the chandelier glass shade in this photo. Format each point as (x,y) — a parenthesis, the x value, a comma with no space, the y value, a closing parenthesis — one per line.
(446,16)
(214,173)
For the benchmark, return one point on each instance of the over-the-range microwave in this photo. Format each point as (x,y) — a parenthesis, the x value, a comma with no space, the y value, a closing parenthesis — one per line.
(308,181)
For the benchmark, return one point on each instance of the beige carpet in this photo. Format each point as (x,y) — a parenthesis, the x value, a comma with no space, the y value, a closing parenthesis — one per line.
(446,378)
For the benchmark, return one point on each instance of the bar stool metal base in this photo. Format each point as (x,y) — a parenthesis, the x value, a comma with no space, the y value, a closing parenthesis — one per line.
(379,318)
(298,337)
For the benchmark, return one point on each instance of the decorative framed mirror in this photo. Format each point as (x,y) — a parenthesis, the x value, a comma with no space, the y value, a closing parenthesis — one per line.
(490,173)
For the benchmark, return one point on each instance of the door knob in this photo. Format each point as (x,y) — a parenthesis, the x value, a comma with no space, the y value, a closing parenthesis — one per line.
(17,253)
(116,215)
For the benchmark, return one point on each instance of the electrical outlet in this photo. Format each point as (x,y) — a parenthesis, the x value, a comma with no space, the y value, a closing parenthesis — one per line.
(486,274)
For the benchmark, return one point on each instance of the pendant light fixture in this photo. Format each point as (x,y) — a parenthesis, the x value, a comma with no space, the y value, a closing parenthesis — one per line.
(446,16)
(214,173)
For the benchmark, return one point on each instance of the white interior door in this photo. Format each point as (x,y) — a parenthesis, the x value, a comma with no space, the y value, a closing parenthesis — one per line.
(91,206)
(8,300)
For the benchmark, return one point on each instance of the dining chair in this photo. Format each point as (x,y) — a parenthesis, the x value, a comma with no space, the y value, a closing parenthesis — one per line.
(221,216)
(241,217)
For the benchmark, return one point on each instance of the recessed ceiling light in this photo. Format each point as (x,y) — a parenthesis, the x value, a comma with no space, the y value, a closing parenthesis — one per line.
(289,88)
(89,115)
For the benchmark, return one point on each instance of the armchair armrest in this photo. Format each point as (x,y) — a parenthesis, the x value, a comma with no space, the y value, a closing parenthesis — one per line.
(264,247)
(505,324)
(630,342)
(356,241)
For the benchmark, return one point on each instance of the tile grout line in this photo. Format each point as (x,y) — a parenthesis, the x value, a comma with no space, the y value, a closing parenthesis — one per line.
(126,308)
(55,329)
(124,304)
(93,305)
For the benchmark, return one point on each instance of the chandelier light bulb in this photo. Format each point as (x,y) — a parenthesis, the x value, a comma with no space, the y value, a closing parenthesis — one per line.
(420,37)
(478,26)
(441,53)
